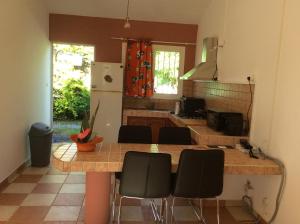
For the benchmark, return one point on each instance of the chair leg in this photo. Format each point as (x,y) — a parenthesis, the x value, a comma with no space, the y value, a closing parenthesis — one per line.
(154,210)
(119,213)
(161,209)
(166,210)
(194,210)
(218,211)
(201,212)
(114,200)
(172,210)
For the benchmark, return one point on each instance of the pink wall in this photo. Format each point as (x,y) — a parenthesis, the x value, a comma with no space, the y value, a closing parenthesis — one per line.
(98,32)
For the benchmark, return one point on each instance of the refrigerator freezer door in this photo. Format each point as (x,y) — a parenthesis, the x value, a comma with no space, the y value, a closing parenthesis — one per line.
(108,120)
(107,76)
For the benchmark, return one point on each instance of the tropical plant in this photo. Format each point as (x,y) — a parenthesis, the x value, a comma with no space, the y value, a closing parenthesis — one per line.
(71,101)
(87,126)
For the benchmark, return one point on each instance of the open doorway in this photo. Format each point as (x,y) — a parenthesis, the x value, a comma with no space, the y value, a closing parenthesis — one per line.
(71,88)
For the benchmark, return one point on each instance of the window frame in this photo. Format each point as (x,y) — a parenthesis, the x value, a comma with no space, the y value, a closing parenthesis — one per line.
(171,48)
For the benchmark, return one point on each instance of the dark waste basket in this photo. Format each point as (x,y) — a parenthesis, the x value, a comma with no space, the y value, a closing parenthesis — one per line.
(40,137)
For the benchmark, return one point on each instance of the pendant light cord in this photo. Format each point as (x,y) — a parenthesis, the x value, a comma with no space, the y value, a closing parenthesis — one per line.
(127,10)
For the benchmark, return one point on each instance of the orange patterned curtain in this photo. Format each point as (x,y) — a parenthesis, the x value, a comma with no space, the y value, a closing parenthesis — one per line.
(138,73)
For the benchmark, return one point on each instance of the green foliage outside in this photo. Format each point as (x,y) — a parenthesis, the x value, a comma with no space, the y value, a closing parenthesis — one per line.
(165,77)
(71,81)
(166,72)
(71,101)
(71,61)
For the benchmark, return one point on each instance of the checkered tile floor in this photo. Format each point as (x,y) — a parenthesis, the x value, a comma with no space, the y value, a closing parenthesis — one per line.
(45,195)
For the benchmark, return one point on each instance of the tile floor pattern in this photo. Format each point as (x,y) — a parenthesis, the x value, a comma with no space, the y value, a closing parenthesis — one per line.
(45,195)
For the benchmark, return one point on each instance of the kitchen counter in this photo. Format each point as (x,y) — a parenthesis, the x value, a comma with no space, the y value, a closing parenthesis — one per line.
(105,160)
(201,134)
(161,114)
(109,158)
(208,136)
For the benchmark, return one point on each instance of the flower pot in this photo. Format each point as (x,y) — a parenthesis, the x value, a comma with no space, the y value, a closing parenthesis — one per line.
(89,146)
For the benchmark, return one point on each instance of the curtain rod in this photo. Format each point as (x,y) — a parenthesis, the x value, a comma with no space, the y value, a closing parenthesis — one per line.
(153,41)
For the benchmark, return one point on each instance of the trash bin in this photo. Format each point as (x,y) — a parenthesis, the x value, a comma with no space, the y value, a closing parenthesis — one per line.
(40,138)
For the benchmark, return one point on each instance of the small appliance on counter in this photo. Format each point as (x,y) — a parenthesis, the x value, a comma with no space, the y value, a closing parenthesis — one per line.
(177,108)
(230,123)
(191,107)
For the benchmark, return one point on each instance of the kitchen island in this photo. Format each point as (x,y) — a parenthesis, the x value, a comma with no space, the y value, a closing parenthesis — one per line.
(105,160)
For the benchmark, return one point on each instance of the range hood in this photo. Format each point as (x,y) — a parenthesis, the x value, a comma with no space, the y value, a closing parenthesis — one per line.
(207,69)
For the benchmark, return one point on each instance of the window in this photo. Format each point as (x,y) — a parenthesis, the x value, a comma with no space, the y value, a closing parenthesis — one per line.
(168,64)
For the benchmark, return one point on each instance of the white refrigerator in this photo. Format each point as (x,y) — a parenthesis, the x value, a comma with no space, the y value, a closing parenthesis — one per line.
(107,88)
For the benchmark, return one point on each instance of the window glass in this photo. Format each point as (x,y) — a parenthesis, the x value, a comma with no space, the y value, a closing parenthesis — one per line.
(168,67)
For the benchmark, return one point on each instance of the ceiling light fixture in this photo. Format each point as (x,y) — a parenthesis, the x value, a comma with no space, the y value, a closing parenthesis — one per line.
(127,24)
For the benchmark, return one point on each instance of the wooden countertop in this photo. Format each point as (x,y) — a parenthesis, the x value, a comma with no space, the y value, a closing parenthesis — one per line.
(201,134)
(109,158)
(162,114)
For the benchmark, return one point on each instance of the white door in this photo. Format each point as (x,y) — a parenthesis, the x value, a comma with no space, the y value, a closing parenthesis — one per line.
(107,76)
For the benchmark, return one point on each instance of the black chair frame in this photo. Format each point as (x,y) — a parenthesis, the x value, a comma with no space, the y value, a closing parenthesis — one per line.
(147,176)
(199,176)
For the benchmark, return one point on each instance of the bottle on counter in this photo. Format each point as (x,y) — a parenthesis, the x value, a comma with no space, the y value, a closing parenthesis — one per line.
(177,107)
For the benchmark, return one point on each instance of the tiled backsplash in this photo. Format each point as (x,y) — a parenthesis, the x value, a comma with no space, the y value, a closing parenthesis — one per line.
(153,103)
(148,103)
(224,96)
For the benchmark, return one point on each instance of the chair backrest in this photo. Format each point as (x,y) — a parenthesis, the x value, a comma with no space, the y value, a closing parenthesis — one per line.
(199,174)
(146,175)
(175,136)
(135,134)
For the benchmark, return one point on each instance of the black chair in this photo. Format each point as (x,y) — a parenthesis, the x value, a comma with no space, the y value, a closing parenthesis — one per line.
(131,134)
(146,176)
(175,136)
(199,175)
(135,134)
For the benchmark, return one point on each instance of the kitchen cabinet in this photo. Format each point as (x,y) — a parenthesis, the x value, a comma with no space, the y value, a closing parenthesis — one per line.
(154,122)
(170,123)
(138,121)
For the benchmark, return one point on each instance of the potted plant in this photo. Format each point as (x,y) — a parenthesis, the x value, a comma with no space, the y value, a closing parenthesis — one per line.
(85,140)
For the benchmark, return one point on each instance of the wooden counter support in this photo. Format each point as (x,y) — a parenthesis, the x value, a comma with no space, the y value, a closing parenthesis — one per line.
(97,197)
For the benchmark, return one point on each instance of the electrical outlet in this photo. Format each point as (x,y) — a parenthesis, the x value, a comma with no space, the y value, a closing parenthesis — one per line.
(248,186)
(250,77)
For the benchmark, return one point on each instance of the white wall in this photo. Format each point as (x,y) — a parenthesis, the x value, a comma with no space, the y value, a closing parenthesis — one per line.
(261,37)
(211,24)
(25,74)
(249,31)
(286,113)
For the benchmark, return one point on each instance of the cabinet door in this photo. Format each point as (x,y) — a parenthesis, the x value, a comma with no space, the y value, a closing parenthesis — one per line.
(170,123)
(156,124)
(144,121)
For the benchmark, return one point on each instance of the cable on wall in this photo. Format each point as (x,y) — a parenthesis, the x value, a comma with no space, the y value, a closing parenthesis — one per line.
(248,200)
(282,183)
(247,129)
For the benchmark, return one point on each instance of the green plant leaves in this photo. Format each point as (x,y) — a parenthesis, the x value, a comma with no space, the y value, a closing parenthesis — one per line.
(71,101)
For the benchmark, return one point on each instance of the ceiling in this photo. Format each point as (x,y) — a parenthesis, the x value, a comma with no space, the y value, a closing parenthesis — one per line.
(175,11)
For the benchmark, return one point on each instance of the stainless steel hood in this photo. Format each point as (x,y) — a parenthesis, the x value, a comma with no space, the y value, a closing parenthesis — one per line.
(207,69)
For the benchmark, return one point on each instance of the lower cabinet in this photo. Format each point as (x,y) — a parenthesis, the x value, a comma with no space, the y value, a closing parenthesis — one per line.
(154,122)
